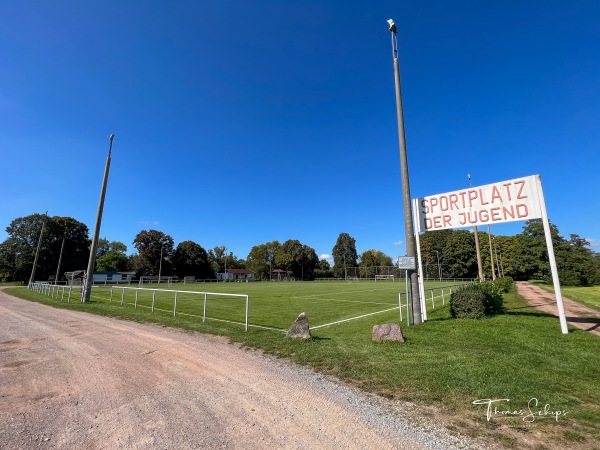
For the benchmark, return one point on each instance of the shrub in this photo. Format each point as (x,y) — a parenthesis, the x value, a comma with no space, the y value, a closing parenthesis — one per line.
(476,301)
(505,283)
(493,297)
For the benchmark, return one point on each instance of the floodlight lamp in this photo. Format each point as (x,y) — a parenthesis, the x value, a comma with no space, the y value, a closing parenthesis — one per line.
(112,137)
(392,25)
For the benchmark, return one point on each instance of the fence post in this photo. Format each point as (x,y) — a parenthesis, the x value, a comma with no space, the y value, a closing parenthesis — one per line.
(136,298)
(175,305)
(122,296)
(432,300)
(443,299)
(111,294)
(204,316)
(153,299)
(247,301)
(400,305)
(69,297)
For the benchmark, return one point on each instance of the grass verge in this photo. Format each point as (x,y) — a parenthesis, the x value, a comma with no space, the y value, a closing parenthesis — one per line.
(444,366)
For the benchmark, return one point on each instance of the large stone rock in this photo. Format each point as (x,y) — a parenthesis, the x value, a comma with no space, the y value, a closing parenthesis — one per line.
(387,332)
(299,329)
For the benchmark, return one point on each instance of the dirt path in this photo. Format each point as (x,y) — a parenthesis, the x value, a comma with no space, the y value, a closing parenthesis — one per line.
(75,380)
(578,315)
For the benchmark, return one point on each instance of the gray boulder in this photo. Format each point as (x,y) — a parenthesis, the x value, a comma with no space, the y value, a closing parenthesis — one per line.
(299,329)
(387,332)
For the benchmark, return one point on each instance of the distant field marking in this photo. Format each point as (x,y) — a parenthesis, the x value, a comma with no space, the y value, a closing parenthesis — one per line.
(338,293)
(345,301)
(353,318)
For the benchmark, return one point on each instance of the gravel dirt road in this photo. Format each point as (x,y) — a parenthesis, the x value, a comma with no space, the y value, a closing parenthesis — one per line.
(78,381)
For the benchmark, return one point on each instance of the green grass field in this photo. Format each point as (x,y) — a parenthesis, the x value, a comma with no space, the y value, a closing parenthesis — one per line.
(271,305)
(444,363)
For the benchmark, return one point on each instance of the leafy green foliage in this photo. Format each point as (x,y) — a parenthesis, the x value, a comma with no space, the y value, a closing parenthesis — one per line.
(459,255)
(17,252)
(476,300)
(261,259)
(190,259)
(344,254)
(375,258)
(297,260)
(104,246)
(155,251)
(505,284)
(324,270)
(112,261)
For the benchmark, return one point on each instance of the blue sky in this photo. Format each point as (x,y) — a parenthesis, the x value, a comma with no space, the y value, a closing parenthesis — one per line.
(238,123)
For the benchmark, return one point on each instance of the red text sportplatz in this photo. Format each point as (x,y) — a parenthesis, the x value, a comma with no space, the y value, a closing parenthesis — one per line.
(501,203)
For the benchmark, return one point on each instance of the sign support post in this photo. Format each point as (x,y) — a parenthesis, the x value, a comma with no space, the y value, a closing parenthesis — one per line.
(420,261)
(551,258)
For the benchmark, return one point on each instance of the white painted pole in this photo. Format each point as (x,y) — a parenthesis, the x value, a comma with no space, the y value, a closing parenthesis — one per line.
(419,259)
(247,306)
(406,294)
(553,267)
(400,305)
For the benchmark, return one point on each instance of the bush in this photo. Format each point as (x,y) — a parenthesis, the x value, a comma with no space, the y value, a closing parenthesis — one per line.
(476,301)
(505,283)
(493,297)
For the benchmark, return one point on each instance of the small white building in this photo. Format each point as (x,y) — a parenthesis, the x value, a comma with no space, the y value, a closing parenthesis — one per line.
(113,277)
(236,275)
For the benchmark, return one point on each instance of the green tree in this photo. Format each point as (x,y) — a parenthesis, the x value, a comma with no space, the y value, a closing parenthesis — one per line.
(344,254)
(297,260)
(105,246)
(18,250)
(575,261)
(310,262)
(155,251)
(261,259)
(375,258)
(460,259)
(324,270)
(112,261)
(190,259)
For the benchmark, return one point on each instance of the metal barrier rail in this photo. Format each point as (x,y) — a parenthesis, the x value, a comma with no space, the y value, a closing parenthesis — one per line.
(54,291)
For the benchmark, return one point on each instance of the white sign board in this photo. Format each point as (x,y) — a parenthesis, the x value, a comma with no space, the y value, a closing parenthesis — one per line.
(407,262)
(505,201)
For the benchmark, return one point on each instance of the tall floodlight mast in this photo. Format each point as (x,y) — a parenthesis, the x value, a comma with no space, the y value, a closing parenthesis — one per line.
(37,252)
(477,249)
(411,248)
(89,275)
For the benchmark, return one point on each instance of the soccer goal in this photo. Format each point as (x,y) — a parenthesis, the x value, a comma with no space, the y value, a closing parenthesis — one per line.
(384,277)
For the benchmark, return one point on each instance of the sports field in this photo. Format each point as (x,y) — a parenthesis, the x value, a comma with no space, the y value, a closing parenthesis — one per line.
(273,304)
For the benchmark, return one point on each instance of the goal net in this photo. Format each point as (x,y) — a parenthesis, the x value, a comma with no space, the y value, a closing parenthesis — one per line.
(384,277)
(387,273)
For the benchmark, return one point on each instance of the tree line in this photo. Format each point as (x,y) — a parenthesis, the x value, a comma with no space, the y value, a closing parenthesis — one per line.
(521,257)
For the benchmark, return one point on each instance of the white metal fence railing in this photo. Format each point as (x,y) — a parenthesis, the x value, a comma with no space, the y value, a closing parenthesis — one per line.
(71,292)
(429,295)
